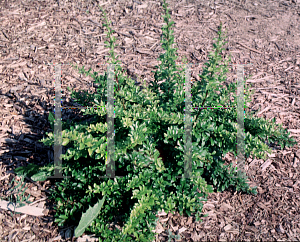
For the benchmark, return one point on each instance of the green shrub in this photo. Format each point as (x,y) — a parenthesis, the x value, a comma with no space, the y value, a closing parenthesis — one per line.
(149,147)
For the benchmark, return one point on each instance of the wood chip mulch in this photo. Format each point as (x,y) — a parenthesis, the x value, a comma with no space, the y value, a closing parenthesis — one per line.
(34,35)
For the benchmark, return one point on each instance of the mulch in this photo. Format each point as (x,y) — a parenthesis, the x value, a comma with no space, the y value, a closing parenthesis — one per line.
(36,35)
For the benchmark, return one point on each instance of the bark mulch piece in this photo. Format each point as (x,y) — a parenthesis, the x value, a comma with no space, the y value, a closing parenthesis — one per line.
(35,35)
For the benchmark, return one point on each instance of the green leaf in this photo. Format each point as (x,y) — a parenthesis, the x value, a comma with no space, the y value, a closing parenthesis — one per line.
(29,170)
(40,176)
(88,217)
(220,128)
(91,151)
(63,217)
(65,141)
(51,119)
(81,146)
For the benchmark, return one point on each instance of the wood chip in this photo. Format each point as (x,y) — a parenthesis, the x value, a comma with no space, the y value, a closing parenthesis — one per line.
(34,211)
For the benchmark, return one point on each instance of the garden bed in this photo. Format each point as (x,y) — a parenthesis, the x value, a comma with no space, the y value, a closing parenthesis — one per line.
(68,33)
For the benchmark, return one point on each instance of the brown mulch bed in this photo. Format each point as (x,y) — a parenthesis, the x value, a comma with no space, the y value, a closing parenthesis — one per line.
(37,34)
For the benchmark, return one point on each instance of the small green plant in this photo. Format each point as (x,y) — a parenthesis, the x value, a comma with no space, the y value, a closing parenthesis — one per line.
(14,196)
(171,236)
(149,147)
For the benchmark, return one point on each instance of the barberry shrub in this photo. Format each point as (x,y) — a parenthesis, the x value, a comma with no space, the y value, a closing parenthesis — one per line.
(149,147)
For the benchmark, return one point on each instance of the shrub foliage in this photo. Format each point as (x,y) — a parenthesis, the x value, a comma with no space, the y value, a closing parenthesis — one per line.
(149,146)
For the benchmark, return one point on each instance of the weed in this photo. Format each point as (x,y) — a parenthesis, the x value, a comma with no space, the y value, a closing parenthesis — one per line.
(13,194)
(171,236)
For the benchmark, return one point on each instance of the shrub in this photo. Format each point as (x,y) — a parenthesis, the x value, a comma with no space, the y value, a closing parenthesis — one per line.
(149,147)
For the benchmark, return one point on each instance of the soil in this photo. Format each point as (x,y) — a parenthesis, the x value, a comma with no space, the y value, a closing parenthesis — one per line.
(36,35)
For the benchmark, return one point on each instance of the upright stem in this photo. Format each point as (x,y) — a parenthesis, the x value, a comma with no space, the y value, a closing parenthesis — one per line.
(200,109)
